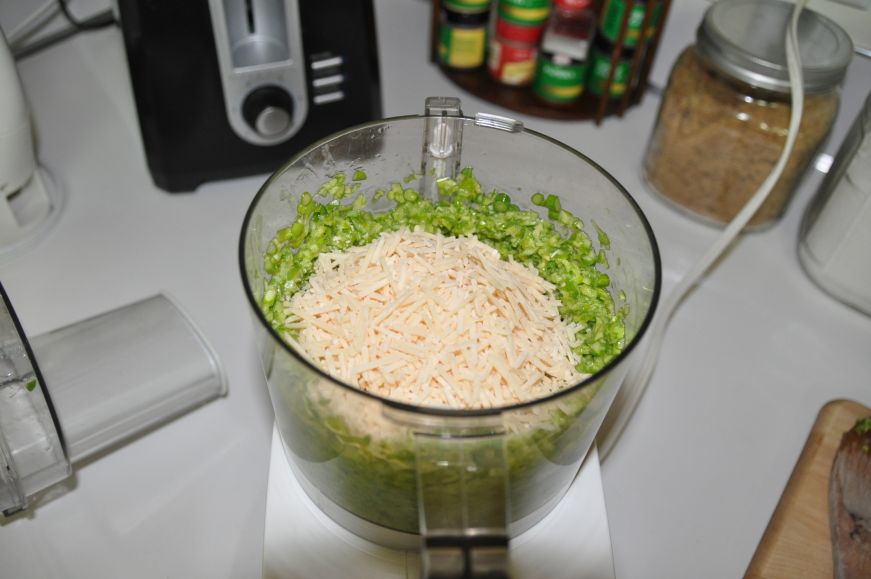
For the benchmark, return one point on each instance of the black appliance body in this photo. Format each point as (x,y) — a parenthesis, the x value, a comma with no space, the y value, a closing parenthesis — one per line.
(229,88)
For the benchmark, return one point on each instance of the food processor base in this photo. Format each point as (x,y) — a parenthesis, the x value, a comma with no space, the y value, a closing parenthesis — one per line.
(301,541)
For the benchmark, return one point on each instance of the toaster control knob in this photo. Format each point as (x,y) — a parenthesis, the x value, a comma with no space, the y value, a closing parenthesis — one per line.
(268,110)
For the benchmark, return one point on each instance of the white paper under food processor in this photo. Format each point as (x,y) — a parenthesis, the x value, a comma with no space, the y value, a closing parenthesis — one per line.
(301,542)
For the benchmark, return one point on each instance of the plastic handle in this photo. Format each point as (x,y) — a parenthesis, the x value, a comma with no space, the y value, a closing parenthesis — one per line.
(442,143)
(462,484)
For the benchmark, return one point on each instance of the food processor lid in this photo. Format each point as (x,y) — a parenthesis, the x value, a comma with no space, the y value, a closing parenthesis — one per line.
(75,391)
(744,39)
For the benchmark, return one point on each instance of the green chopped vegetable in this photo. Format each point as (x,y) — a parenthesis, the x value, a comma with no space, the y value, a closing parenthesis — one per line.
(604,240)
(360,175)
(31,385)
(863,426)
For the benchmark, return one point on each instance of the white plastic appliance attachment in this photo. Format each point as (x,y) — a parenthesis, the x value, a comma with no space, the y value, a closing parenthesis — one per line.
(84,388)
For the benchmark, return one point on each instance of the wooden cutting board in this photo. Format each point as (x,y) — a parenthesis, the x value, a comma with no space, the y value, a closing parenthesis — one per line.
(797,541)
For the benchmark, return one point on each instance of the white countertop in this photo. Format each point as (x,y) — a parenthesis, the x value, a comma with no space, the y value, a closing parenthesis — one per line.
(750,358)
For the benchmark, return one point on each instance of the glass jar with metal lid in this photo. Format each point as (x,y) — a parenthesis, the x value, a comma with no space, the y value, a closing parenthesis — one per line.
(725,113)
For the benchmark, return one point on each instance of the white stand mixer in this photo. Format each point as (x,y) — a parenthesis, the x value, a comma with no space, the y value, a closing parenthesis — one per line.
(30,200)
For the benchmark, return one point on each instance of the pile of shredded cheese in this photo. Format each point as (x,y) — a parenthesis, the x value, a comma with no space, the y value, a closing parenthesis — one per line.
(436,321)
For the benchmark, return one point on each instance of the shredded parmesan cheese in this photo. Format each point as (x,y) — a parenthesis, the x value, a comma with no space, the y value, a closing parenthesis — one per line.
(436,321)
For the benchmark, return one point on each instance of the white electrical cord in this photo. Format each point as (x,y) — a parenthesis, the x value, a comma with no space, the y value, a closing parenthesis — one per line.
(638,376)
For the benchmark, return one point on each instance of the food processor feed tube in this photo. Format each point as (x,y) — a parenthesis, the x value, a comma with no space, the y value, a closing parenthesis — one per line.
(74,392)
(457,482)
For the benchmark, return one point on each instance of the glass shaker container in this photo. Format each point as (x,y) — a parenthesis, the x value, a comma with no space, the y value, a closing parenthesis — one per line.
(835,235)
(456,481)
(724,116)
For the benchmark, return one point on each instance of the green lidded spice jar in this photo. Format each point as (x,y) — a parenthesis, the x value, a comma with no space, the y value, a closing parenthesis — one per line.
(614,11)
(559,78)
(600,68)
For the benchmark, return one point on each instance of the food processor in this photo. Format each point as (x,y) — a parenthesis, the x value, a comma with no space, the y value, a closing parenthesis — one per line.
(458,484)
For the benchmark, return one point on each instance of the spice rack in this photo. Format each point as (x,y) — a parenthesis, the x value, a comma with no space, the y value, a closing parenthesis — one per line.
(480,83)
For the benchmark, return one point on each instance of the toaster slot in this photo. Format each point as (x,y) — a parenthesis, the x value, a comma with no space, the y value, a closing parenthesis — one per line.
(257,31)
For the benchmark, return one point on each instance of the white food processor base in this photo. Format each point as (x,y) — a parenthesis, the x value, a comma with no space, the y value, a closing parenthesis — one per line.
(300,541)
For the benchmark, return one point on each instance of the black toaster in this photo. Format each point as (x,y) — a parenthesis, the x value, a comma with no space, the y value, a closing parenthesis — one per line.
(227,88)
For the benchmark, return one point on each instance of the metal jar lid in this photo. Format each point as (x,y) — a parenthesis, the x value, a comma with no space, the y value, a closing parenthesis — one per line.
(744,39)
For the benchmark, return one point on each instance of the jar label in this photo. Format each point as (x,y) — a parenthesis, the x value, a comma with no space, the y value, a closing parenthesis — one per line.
(512,64)
(612,19)
(571,47)
(527,33)
(517,73)
(600,68)
(560,83)
(462,47)
(524,11)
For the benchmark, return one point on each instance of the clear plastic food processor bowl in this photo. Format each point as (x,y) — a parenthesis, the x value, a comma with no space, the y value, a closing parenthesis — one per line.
(458,483)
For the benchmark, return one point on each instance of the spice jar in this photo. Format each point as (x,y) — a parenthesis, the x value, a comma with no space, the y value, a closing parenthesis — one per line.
(613,13)
(463,37)
(562,65)
(602,62)
(514,45)
(725,113)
